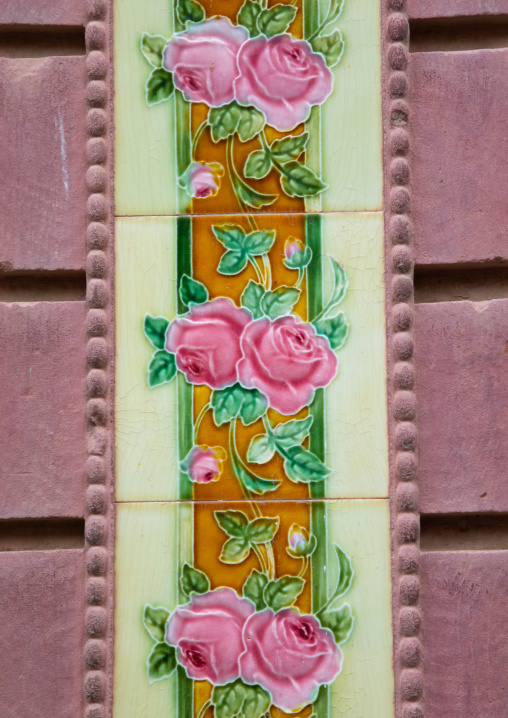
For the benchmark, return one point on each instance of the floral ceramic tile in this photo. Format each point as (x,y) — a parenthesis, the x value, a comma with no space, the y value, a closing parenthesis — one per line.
(247,106)
(273,608)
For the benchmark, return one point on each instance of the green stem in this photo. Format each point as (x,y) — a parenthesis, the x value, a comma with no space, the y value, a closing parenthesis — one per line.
(264,567)
(204,708)
(197,137)
(301,275)
(235,459)
(304,567)
(268,271)
(326,605)
(261,278)
(200,418)
(331,16)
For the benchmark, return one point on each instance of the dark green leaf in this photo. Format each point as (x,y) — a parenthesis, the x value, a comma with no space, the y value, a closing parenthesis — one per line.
(228,699)
(248,15)
(159,86)
(230,235)
(251,123)
(192,291)
(224,121)
(232,262)
(340,622)
(299,260)
(234,523)
(161,662)
(253,406)
(297,180)
(252,198)
(259,242)
(346,572)
(258,165)
(257,702)
(226,403)
(253,589)
(154,620)
(279,302)
(235,550)
(283,592)
(193,581)
(335,330)
(276,19)
(190,10)
(289,148)
(152,47)
(251,298)
(330,46)
(293,432)
(161,369)
(302,465)
(254,483)
(261,449)
(155,330)
(263,529)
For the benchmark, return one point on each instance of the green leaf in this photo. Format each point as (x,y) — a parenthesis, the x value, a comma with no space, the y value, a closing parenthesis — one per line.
(161,369)
(299,260)
(330,46)
(340,285)
(249,196)
(224,121)
(335,330)
(255,483)
(234,523)
(232,262)
(193,581)
(263,529)
(248,15)
(192,291)
(235,550)
(230,235)
(279,302)
(226,403)
(276,19)
(259,242)
(302,465)
(289,148)
(257,702)
(152,47)
(346,572)
(159,86)
(154,620)
(251,298)
(253,588)
(293,432)
(155,330)
(161,662)
(340,622)
(190,10)
(228,699)
(297,180)
(283,592)
(253,406)
(261,449)
(251,123)
(258,165)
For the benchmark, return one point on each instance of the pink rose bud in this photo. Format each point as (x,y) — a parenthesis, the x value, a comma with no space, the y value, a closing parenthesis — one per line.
(203,464)
(292,246)
(202,179)
(301,543)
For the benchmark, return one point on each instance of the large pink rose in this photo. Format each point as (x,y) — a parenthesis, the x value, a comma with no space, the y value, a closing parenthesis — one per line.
(207,632)
(286,360)
(202,59)
(206,342)
(283,78)
(289,655)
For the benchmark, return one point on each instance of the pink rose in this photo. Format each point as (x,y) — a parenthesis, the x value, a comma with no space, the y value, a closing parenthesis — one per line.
(289,655)
(286,360)
(202,59)
(207,632)
(202,179)
(283,78)
(203,464)
(293,247)
(206,342)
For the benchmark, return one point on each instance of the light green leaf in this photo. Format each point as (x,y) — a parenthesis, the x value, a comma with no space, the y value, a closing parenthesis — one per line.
(232,262)
(299,260)
(259,242)
(258,165)
(255,483)
(283,592)
(230,235)
(251,123)
(248,15)
(228,699)
(193,581)
(235,550)
(159,86)
(226,403)
(253,588)
(249,196)
(335,330)
(152,47)
(224,121)
(330,46)
(155,330)
(161,662)
(154,620)
(190,10)
(257,702)
(340,285)
(276,19)
(234,523)
(340,622)
(261,449)
(253,406)
(297,180)
(251,298)
(289,148)
(192,291)
(279,302)
(293,432)
(346,572)
(304,466)
(161,369)
(263,529)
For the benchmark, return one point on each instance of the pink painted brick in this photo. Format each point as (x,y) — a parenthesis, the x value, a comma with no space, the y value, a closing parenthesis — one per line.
(462,387)
(464,599)
(459,166)
(41,633)
(42,403)
(420,9)
(42,161)
(43,12)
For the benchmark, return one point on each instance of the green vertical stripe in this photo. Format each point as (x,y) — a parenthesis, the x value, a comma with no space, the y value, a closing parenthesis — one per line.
(184,400)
